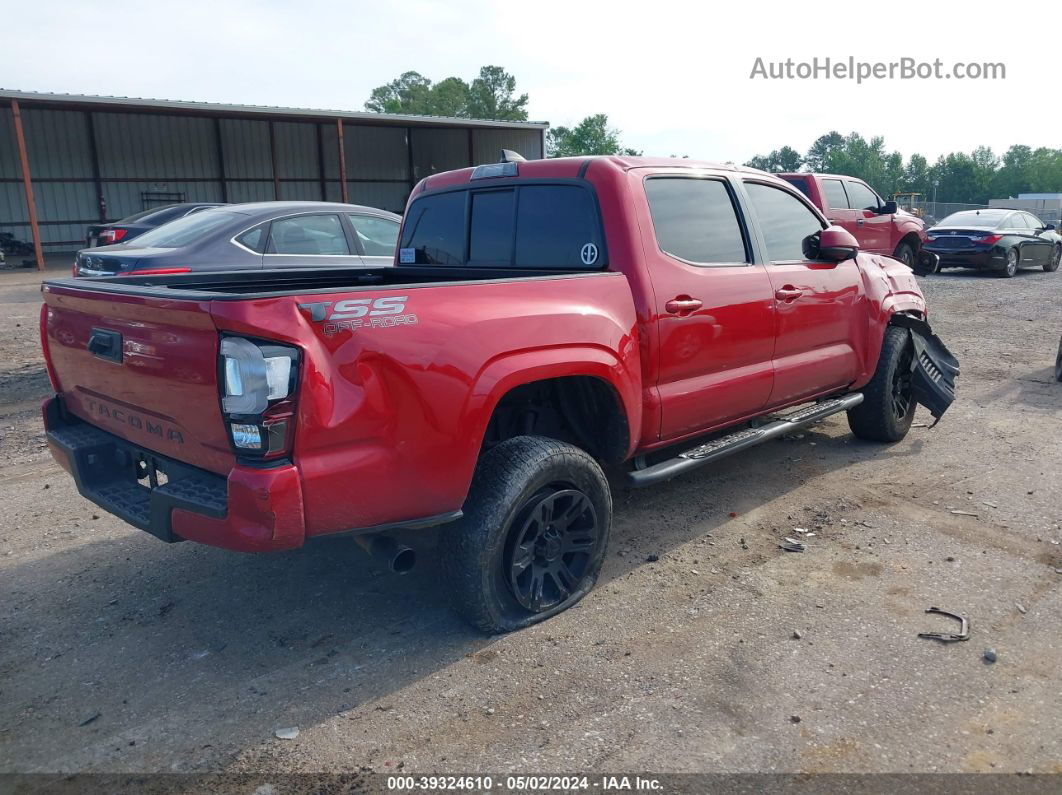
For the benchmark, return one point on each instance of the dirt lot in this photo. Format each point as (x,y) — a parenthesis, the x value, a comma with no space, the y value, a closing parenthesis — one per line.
(704,647)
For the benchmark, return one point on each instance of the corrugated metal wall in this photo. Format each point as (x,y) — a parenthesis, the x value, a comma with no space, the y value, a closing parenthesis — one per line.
(148,159)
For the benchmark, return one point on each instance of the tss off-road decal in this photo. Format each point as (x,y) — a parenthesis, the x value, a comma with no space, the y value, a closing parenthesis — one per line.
(355,313)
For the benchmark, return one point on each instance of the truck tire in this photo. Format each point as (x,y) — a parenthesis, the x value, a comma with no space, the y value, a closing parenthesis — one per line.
(1058,363)
(533,535)
(888,407)
(906,254)
(1052,263)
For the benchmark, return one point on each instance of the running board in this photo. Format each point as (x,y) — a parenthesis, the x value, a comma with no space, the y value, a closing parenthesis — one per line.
(742,440)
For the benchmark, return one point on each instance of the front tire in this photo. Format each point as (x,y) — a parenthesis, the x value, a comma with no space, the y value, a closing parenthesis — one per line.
(906,254)
(1052,264)
(533,536)
(888,406)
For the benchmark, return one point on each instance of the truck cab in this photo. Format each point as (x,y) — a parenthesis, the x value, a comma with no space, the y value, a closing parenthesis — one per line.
(880,226)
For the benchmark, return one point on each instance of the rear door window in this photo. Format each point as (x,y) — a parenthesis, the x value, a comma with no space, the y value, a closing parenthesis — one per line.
(695,220)
(308,234)
(836,198)
(378,236)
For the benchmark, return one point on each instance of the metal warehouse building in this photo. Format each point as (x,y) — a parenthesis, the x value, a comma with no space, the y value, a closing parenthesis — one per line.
(67,161)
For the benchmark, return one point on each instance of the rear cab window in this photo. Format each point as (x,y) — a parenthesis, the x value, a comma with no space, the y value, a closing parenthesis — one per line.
(527,225)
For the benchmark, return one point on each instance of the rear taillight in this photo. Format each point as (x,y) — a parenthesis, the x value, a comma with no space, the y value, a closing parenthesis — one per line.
(987,239)
(154,271)
(45,311)
(108,236)
(257,381)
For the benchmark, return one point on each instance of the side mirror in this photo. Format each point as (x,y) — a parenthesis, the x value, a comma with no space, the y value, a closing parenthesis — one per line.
(836,244)
(889,208)
(1049,228)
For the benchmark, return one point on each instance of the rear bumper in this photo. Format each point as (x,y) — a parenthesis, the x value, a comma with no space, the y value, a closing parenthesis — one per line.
(985,260)
(251,510)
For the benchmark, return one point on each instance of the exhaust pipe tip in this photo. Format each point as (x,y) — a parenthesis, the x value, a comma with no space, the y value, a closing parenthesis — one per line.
(403,561)
(395,557)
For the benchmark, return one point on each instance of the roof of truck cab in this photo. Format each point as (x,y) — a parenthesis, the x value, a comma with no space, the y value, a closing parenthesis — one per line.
(569,167)
(817,174)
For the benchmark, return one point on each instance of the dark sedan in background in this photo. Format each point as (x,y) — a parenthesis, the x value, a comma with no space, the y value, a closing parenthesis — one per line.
(995,239)
(253,236)
(138,223)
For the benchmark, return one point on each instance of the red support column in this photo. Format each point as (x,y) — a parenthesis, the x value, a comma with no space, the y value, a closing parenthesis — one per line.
(342,163)
(27,184)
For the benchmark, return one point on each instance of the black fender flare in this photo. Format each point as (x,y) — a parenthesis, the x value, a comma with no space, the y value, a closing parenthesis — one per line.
(933,367)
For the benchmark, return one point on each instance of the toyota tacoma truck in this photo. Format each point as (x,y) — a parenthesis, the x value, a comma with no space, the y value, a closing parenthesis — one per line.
(880,226)
(542,320)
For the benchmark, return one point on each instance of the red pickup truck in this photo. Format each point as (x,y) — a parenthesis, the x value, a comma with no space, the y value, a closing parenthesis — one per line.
(880,226)
(542,319)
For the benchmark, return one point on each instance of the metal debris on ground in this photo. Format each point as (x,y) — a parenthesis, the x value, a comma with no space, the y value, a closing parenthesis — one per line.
(798,547)
(964,513)
(287,734)
(90,719)
(1021,607)
(947,637)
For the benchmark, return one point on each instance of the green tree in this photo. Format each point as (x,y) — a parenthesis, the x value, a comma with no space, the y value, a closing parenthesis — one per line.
(493,96)
(820,150)
(591,136)
(409,93)
(779,161)
(450,97)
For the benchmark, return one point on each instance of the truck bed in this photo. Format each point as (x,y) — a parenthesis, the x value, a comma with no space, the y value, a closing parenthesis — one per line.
(270,283)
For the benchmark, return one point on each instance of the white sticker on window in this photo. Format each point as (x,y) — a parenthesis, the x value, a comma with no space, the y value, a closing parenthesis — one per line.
(588,254)
(407,256)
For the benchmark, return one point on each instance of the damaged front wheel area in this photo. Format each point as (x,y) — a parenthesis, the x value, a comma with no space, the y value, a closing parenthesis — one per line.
(914,367)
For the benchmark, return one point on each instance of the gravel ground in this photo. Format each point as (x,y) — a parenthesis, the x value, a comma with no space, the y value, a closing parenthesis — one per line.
(704,646)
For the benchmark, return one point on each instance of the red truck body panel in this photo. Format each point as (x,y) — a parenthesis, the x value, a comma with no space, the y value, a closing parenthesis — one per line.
(391,419)
(877,233)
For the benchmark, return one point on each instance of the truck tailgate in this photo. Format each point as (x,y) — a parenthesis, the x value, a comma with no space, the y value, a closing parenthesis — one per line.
(150,376)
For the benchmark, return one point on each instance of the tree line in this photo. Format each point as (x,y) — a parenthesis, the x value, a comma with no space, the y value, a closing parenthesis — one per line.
(972,178)
(491,95)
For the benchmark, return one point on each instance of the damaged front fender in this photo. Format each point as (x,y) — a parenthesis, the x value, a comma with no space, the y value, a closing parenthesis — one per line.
(933,367)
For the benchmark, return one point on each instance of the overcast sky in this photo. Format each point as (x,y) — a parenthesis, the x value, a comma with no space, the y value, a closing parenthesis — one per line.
(674,77)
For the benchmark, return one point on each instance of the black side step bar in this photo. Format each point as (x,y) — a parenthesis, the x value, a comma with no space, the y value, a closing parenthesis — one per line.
(741,440)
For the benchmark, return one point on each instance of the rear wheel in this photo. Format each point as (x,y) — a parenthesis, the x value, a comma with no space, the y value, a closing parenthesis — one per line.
(1052,264)
(888,406)
(1011,267)
(533,536)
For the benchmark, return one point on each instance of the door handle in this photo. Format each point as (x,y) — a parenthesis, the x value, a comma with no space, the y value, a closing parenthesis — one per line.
(683,305)
(860,221)
(789,293)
